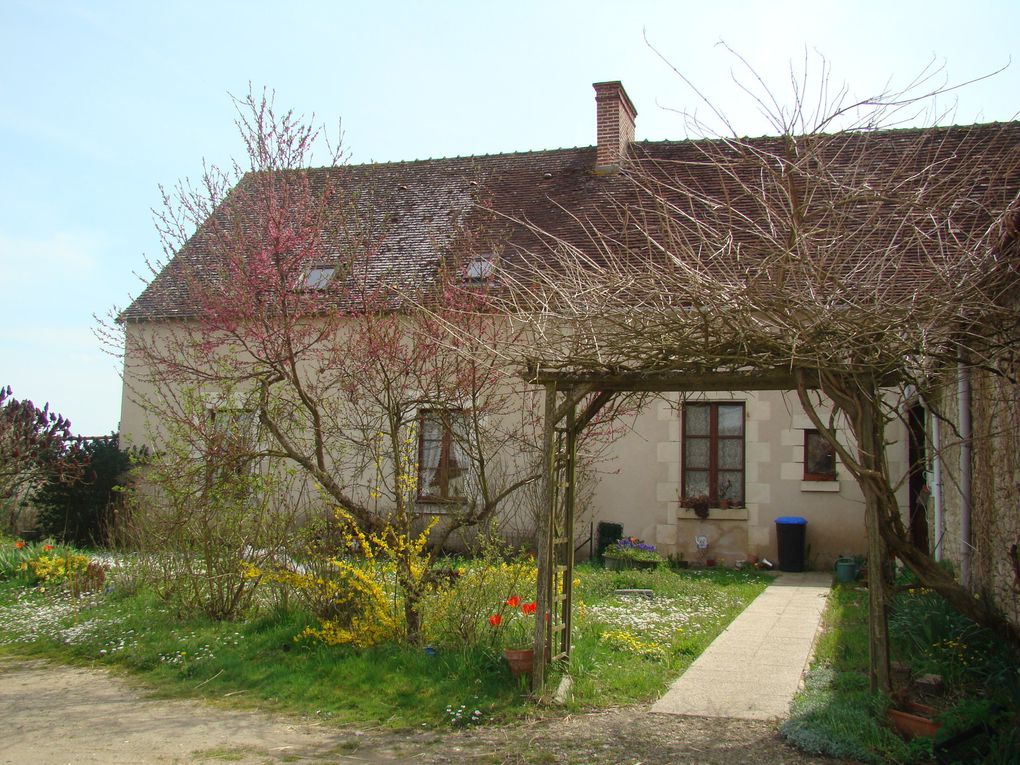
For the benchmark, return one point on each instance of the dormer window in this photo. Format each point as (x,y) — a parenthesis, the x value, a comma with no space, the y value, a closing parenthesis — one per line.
(480,268)
(317,277)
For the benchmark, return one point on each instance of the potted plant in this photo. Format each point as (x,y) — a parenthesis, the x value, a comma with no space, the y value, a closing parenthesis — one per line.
(631,552)
(724,495)
(514,629)
(699,503)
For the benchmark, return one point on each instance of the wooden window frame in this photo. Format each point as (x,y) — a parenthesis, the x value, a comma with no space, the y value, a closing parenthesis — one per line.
(714,439)
(810,475)
(237,428)
(446,417)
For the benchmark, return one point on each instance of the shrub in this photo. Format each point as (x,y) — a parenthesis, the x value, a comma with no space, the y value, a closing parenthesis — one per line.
(76,508)
(457,616)
(203,513)
(344,587)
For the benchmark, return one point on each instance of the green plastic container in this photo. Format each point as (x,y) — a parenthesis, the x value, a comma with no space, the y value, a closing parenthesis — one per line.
(846,570)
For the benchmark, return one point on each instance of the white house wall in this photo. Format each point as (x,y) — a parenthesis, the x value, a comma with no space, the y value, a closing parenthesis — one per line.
(640,486)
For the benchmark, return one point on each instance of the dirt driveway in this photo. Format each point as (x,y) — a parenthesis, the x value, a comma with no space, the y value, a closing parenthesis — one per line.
(52,714)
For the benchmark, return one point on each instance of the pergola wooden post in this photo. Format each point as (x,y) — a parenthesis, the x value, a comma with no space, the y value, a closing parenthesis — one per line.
(556,529)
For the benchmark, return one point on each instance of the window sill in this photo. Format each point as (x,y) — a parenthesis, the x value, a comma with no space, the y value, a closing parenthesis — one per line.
(829,486)
(717,514)
(437,506)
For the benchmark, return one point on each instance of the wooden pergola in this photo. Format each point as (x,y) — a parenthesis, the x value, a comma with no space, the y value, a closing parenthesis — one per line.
(564,422)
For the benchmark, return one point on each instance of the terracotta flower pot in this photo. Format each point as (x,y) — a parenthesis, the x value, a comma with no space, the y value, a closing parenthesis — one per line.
(911,725)
(521,660)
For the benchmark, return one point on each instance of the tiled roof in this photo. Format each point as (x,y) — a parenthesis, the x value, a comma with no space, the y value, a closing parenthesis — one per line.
(424,207)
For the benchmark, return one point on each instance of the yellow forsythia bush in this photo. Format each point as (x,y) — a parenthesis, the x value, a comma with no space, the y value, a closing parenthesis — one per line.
(57,568)
(354,593)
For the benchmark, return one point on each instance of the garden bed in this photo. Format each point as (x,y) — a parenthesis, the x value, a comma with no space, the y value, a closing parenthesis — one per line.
(836,715)
(625,649)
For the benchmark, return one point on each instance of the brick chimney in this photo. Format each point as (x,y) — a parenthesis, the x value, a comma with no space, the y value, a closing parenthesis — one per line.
(614,116)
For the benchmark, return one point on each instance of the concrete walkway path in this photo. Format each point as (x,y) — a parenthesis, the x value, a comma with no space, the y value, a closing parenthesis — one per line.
(752,670)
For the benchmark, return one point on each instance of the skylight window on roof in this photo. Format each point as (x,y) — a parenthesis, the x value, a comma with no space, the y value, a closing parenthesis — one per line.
(317,277)
(480,268)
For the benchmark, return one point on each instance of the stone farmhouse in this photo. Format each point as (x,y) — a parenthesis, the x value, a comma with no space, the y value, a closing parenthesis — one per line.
(754,454)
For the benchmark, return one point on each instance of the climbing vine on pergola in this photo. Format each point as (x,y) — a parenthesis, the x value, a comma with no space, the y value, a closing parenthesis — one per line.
(572,401)
(855,266)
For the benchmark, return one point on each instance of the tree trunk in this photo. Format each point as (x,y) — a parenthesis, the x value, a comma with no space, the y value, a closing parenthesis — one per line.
(870,433)
(878,603)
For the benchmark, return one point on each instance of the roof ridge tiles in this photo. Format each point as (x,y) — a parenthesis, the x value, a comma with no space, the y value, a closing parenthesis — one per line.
(422,160)
(863,131)
(653,142)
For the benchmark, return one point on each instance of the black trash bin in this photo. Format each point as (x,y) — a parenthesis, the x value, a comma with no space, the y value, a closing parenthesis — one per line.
(790,537)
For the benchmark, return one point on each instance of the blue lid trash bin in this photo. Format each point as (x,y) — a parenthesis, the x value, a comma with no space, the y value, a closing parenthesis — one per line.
(790,533)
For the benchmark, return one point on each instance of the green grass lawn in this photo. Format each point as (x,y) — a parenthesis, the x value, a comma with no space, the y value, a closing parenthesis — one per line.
(626,649)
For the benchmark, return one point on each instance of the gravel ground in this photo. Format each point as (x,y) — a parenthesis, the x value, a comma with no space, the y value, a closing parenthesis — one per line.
(56,714)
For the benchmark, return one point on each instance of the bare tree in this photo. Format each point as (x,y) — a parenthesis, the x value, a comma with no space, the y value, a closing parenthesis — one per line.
(837,258)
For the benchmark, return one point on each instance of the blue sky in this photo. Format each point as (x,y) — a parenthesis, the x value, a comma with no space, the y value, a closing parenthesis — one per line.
(101,102)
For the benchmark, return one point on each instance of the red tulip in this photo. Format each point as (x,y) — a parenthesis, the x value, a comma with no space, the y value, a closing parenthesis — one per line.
(495,620)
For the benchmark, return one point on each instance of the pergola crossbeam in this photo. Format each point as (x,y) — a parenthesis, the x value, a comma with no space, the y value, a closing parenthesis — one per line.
(662,382)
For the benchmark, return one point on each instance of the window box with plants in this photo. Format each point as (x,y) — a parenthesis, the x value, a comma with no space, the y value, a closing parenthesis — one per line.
(631,552)
(699,503)
(723,504)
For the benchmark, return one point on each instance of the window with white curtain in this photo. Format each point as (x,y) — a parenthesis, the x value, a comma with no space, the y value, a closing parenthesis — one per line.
(443,462)
(713,451)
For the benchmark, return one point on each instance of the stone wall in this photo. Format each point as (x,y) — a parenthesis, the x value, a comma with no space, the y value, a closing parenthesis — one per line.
(995,513)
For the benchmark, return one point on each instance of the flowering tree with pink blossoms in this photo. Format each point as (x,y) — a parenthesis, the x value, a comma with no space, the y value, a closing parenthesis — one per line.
(304,349)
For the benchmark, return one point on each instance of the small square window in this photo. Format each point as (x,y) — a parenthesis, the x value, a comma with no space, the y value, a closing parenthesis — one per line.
(317,277)
(819,458)
(480,268)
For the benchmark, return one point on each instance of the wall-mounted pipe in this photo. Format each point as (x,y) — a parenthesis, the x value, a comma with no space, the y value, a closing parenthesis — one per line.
(936,484)
(966,468)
